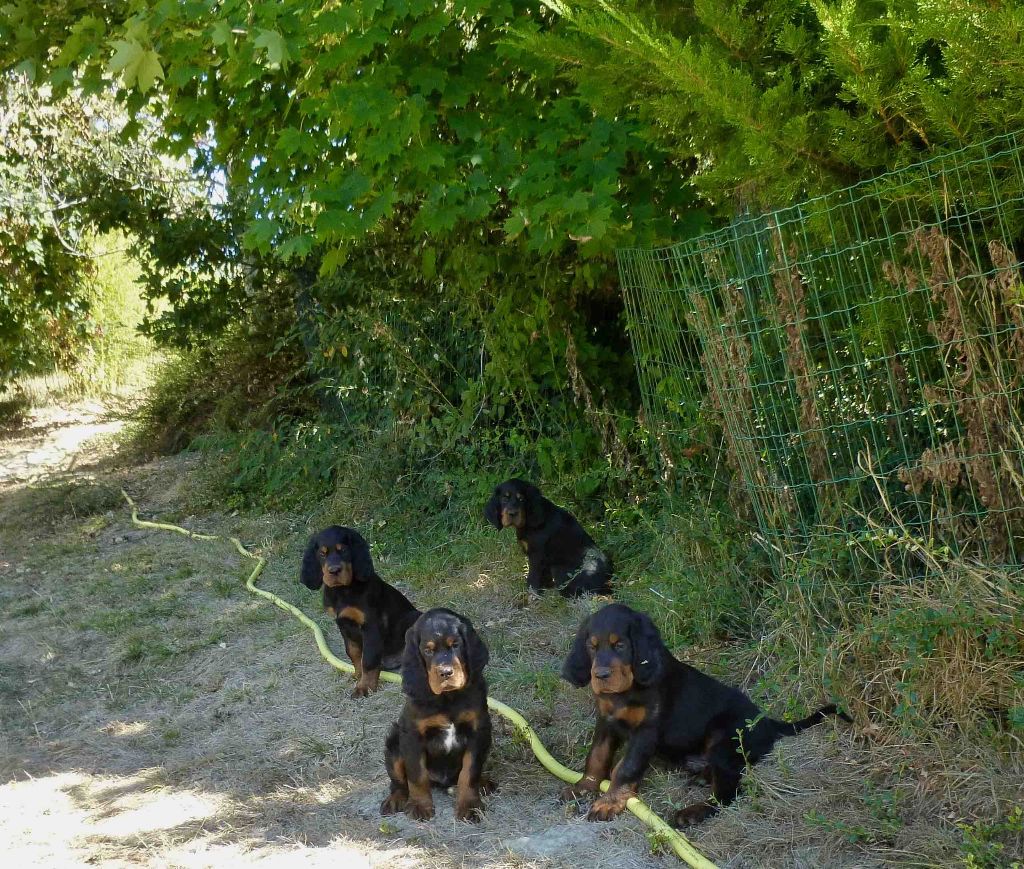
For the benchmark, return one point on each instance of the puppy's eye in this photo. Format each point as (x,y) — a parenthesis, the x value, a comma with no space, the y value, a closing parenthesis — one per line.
(619,646)
(428,652)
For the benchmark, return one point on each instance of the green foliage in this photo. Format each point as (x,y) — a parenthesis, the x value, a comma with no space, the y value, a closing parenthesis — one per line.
(985,842)
(288,466)
(242,379)
(70,170)
(769,102)
(406,146)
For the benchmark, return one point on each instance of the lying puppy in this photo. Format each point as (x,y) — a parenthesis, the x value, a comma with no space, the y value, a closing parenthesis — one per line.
(444,732)
(659,705)
(560,553)
(371,615)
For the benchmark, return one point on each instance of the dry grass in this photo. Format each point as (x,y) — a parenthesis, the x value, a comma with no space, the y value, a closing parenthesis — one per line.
(156,713)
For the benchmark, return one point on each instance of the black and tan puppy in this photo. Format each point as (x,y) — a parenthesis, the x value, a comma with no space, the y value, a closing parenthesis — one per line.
(371,615)
(658,705)
(559,552)
(444,732)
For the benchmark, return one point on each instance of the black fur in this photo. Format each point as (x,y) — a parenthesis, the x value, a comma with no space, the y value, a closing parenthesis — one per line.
(671,710)
(440,739)
(372,616)
(560,553)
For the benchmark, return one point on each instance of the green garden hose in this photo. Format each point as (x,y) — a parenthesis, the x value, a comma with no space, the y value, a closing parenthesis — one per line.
(676,840)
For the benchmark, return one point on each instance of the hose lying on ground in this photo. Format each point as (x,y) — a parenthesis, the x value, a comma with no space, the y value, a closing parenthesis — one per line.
(676,840)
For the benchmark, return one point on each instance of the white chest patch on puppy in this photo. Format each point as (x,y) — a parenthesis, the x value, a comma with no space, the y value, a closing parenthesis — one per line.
(448,733)
(592,560)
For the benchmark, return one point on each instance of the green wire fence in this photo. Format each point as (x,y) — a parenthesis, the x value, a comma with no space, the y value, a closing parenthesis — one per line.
(855,362)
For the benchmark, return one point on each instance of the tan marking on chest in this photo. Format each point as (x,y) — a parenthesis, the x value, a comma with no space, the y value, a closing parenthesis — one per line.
(468,716)
(631,716)
(353,613)
(605,707)
(432,721)
(331,612)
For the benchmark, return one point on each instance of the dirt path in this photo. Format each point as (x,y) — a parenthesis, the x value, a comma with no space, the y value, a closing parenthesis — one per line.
(55,440)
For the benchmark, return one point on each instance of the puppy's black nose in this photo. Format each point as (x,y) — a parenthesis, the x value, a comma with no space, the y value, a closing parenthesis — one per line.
(445,670)
(601,672)
(334,568)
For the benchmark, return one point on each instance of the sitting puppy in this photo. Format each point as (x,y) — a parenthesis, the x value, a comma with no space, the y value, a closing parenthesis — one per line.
(444,732)
(371,615)
(560,553)
(659,705)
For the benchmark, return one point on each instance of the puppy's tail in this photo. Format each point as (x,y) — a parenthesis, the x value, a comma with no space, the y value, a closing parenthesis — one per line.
(792,728)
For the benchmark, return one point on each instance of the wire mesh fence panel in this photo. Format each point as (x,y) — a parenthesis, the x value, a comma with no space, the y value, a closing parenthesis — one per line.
(861,352)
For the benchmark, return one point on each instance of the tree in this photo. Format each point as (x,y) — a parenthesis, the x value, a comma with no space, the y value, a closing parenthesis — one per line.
(770,101)
(68,169)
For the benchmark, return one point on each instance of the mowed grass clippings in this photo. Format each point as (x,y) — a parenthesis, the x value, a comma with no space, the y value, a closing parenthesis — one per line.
(165,715)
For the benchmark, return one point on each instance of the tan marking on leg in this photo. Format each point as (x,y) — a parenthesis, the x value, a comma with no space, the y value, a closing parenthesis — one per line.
(399,796)
(421,803)
(354,650)
(598,761)
(368,682)
(467,805)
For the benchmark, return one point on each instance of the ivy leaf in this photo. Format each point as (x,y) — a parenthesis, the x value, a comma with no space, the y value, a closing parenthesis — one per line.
(274,45)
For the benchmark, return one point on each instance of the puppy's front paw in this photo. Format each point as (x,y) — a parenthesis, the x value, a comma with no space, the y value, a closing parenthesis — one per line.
(470,809)
(604,809)
(419,810)
(394,803)
(364,688)
(578,791)
(694,814)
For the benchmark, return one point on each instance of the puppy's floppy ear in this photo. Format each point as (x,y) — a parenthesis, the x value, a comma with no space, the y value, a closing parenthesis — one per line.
(648,649)
(477,654)
(310,574)
(492,512)
(414,670)
(576,669)
(537,506)
(362,563)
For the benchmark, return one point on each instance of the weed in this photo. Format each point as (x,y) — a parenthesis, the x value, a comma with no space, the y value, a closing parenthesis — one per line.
(224,586)
(985,843)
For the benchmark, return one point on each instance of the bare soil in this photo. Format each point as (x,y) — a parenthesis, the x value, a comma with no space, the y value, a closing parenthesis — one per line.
(155,713)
